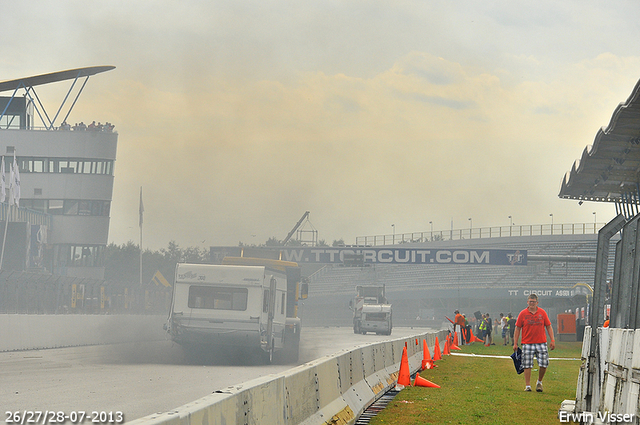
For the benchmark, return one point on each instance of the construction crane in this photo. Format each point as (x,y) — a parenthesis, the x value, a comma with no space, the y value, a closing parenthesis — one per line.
(296,227)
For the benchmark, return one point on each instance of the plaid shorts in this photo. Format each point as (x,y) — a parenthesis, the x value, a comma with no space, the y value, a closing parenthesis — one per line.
(541,352)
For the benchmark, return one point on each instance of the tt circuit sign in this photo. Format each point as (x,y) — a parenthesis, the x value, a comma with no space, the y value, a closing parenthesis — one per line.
(406,256)
(354,256)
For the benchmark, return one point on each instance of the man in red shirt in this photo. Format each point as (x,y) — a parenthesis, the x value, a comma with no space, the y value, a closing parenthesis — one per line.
(532,321)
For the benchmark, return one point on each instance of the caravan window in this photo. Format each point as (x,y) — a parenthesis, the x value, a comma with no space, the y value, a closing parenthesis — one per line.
(218,298)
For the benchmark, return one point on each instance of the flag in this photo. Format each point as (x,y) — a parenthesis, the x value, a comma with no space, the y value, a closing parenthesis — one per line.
(3,183)
(14,184)
(11,183)
(141,209)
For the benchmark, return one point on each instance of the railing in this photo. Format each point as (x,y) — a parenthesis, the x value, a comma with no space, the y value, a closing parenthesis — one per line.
(480,233)
(23,215)
(58,128)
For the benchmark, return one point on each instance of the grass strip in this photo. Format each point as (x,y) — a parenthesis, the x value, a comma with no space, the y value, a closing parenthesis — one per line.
(481,390)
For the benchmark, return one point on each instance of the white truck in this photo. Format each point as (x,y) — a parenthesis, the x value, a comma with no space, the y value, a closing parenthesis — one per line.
(247,304)
(371,311)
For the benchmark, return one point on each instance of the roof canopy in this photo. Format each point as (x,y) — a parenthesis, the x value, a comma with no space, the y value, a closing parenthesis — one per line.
(608,170)
(8,115)
(53,77)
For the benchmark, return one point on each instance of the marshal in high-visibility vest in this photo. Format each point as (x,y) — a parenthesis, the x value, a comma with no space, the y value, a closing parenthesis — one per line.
(159,279)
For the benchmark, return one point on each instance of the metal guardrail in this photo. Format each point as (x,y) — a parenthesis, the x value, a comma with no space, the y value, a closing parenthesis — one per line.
(481,233)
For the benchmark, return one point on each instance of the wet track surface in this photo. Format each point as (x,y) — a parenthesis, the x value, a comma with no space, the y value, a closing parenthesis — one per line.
(142,378)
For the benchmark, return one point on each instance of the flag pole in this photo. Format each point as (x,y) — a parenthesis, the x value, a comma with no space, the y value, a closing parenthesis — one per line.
(141,211)
(4,235)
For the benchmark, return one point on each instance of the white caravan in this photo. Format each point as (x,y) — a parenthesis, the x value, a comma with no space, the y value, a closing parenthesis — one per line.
(237,306)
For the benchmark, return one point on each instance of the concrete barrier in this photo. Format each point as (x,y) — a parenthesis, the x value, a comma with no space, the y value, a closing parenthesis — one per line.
(354,389)
(334,389)
(35,331)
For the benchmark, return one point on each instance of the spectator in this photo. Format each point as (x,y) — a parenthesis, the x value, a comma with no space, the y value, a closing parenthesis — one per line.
(482,327)
(467,330)
(459,325)
(489,329)
(511,323)
(503,326)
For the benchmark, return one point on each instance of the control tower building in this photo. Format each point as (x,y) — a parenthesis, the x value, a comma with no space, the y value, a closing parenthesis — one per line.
(66,178)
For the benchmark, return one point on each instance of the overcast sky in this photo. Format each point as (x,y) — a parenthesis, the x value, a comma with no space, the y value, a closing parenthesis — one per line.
(236,117)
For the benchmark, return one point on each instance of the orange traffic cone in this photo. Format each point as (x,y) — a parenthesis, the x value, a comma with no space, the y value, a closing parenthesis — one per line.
(404,375)
(427,363)
(454,344)
(421,382)
(436,351)
(446,351)
(474,338)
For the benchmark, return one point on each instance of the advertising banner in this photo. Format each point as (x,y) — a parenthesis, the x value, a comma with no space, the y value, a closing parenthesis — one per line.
(391,255)
(456,256)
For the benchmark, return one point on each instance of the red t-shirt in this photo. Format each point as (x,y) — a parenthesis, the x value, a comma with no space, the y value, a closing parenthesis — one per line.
(533,326)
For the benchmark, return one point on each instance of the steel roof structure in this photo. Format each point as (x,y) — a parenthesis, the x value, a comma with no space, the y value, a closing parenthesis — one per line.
(53,77)
(28,84)
(609,170)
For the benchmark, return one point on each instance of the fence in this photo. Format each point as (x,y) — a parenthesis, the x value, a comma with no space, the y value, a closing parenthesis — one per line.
(36,293)
(481,232)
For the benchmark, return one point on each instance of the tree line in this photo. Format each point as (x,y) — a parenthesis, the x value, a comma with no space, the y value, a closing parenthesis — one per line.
(122,262)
